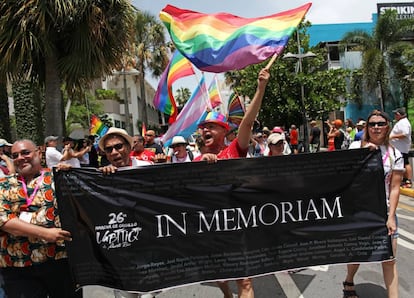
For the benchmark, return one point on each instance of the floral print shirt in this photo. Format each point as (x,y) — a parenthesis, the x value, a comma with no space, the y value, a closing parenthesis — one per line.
(27,251)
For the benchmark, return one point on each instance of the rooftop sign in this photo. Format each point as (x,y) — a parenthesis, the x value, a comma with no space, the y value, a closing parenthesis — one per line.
(405,10)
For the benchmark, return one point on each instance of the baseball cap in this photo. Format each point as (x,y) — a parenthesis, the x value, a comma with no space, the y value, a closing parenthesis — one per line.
(50,138)
(215,117)
(275,137)
(115,131)
(3,142)
(400,111)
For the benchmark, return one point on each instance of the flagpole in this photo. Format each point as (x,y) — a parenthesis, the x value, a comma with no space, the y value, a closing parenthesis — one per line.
(272,60)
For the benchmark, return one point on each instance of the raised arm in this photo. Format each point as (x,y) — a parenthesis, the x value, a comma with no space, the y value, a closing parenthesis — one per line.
(246,124)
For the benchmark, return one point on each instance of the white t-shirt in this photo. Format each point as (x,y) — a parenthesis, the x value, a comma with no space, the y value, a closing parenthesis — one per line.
(403,126)
(74,162)
(392,160)
(53,157)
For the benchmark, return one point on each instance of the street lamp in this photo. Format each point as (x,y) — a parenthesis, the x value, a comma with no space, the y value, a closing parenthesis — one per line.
(299,58)
(124,73)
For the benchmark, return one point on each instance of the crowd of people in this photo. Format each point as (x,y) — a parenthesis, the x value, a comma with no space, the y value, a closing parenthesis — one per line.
(32,251)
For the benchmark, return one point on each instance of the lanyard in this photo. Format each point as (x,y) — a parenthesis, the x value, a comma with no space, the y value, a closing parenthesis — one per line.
(386,156)
(30,199)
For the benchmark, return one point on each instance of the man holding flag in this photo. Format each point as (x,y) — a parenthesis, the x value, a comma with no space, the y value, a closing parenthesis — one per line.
(214,129)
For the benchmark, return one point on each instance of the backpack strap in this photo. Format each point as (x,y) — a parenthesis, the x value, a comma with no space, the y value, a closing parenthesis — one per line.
(190,155)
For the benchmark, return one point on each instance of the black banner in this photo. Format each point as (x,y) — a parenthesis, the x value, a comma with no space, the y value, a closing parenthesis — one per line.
(168,225)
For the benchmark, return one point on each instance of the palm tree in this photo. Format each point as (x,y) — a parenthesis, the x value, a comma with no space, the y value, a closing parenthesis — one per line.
(379,48)
(182,96)
(60,41)
(151,51)
(5,131)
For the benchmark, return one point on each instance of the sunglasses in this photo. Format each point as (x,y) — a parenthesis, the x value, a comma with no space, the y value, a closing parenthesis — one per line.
(379,124)
(117,147)
(149,135)
(23,153)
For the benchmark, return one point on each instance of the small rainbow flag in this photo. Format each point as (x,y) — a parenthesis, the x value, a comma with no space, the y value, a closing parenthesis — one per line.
(222,42)
(97,128)
(164,101)
(213,93)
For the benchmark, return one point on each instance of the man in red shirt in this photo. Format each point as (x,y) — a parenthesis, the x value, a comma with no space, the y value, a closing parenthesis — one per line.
(144,156)
(214,129)
(294,138)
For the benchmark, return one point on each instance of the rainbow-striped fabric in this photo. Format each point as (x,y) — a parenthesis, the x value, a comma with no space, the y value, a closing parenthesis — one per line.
(164,101)
(192,113)
(97,127)
(235,110)
(222,42)
(213,93)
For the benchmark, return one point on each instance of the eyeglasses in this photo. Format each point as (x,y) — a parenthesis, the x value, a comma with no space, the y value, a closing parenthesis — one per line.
(147,135)
(117,147)
(379,124)
(176,145)
(23,153)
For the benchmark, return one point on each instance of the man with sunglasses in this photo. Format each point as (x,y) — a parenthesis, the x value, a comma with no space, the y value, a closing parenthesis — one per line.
(179,152)
(33,256)
(117,145)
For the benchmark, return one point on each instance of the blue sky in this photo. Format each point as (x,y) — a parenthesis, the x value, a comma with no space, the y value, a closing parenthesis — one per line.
(321,12)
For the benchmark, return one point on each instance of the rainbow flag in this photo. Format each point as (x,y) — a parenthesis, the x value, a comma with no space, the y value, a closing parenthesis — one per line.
(222,42)
(193,111)
(235,110)
(97,128)
(144,129)
(213,93)
(164,101)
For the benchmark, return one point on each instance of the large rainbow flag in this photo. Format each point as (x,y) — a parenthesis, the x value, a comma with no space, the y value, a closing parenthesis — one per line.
(222,42)
(164,101)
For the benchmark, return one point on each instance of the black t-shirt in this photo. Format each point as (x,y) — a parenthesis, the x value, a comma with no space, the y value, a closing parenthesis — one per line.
(339,140)
(154,146)
(316,134)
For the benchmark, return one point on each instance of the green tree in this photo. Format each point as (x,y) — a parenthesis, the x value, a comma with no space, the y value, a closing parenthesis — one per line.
(28,105)
(381,55)
(150,50)
(5,129)
(56,41)
(81,108)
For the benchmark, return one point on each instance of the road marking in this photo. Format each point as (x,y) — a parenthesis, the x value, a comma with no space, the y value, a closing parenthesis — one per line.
(323,268)
(288,285)
(405,206)
(405,216)
(405,244)
(406,233)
